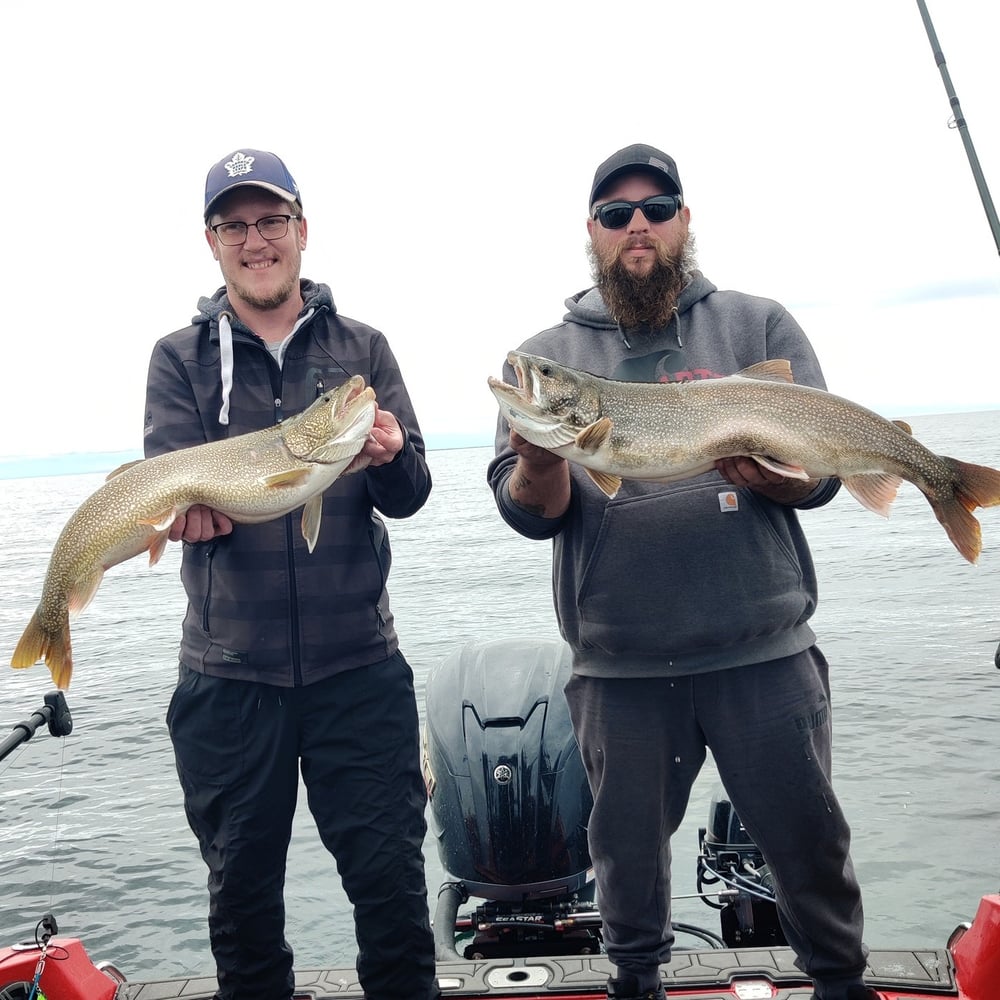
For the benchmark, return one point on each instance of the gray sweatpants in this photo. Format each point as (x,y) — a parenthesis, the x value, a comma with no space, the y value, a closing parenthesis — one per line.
(643,742)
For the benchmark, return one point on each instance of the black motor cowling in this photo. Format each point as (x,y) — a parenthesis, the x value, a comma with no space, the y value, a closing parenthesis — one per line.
(726,839)
(509,799)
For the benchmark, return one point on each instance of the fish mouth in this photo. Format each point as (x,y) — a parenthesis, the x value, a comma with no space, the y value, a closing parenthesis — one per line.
(354,405)
(522,391)
(351,390)
(523,382)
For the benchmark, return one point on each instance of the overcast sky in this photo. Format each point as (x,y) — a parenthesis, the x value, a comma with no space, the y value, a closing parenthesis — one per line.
(445,151)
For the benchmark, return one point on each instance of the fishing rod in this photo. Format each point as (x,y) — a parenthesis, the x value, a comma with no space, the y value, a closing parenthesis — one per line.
(962,126)
(55,712)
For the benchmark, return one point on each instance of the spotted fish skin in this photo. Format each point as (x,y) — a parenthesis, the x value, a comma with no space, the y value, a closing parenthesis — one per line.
(251,478)
(662,432)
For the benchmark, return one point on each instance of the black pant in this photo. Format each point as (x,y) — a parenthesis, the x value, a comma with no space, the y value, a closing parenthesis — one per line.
(238,747)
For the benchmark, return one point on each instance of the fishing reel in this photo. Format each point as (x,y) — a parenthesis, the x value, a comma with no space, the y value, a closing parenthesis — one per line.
(729,858)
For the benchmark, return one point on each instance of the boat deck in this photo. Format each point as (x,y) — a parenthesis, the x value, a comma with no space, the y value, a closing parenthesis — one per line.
(691,975)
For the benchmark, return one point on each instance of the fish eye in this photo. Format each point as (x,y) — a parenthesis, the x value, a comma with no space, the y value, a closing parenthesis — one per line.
(545,370)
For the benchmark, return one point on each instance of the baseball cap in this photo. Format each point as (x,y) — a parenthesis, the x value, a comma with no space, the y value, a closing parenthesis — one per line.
(250,167)
(635,158)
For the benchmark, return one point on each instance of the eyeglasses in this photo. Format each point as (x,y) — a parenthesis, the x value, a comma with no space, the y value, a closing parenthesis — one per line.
(618,214)
(234,234)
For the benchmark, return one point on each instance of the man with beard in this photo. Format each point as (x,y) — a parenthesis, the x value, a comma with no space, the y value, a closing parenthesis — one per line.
(289,660)
(687,605)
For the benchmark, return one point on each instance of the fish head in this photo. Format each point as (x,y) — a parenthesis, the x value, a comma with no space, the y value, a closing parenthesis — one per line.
(550,403)
(339,421)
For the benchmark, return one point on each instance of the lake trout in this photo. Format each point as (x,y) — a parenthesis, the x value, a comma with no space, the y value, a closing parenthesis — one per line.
(251,478)
(663,431)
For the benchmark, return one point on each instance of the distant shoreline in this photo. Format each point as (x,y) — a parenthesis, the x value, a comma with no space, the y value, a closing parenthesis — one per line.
(80,463)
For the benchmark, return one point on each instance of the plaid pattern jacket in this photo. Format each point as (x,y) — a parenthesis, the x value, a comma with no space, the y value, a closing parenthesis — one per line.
(261,607)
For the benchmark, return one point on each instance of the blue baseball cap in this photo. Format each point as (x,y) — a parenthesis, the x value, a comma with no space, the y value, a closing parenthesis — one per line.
(250,168)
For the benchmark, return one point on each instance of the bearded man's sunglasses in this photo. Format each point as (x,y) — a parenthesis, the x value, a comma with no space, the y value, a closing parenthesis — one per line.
(618,214)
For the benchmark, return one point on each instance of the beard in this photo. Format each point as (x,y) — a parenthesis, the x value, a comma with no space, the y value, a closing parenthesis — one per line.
(271,293)
(266,301)
(272,300)
(642,300)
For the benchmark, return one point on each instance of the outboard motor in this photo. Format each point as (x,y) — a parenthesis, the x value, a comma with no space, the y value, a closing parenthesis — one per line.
(727,855)
(509,801)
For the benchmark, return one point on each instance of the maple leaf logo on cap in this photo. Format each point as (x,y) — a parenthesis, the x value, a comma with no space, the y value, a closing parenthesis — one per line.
(240,165)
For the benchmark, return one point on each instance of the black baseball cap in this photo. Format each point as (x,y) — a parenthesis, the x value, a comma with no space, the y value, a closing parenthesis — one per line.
(636,158)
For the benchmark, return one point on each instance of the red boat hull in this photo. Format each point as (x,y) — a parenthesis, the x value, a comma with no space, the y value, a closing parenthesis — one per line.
(969,971)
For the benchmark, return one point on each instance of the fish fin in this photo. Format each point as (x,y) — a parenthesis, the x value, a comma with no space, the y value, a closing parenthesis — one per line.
(962,528)
(157,546)
(772,370)
(358,463)
(37,644)
(607,483)
(290,477)
(546,437)
(335,451)
(874,490)
(312,517)
(593,436)
(83,590)
(974,486)
(977,485)
(783,469)
(59,660)
(32,645)
(122,468)
(904,426)
(161,521)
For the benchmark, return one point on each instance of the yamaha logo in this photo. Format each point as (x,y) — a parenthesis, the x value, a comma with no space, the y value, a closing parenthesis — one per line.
(502,774)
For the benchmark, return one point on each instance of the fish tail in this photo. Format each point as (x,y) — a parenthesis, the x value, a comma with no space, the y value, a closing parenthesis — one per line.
(978,485)
(38,643)
(32,645)
(973,486)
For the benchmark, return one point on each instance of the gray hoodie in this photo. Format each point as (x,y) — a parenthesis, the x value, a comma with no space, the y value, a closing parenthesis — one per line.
(674,579)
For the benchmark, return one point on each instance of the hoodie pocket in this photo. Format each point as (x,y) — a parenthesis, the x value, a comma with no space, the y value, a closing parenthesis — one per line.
(696,566)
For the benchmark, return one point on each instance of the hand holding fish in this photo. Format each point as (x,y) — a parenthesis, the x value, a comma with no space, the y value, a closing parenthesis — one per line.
(540,483)
(663,432)
(200,524)
(749,474)
(385,440)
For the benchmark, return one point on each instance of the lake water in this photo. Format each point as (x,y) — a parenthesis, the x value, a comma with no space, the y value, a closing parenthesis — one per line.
(93,826)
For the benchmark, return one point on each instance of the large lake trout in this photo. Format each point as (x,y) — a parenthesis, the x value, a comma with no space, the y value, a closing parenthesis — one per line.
(661,432)
(250,478)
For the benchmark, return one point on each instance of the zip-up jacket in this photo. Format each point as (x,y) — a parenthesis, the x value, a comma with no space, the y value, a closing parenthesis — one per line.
(261,607)
(690,576)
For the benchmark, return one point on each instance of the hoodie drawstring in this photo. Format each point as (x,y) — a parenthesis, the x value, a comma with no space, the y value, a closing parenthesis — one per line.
(676,316)
(226,363)
(226,355)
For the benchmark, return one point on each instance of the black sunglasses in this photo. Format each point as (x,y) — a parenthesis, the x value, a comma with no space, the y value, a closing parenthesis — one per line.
(618,214)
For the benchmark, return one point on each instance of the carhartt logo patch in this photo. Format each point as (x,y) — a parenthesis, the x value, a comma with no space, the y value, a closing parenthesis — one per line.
(235,656)
(240,165)
(730,500)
